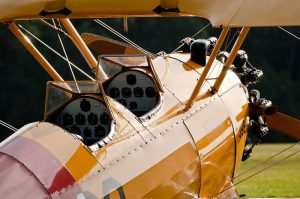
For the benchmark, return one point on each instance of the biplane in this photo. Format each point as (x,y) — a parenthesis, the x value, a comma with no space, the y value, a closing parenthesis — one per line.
(144,126)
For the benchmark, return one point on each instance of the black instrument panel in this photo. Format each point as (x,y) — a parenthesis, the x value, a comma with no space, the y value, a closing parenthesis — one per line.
(87,117)
(134,89)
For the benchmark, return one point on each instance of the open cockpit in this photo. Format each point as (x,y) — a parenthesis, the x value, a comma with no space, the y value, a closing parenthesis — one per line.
(82,108)
(133,83)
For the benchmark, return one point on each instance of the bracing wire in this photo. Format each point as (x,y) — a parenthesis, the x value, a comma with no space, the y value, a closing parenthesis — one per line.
(225,49)
(265,161)
(288,32)
(227,38)
(65,52)
(8,126)
(55,28)
(128,122)
(59,29)
(262,170)
(194,35)
(231,40)
(55,52)
(107,27)
(227,43)
(201,30)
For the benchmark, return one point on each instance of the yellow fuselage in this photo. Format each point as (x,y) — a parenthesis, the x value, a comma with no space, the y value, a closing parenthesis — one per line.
(172,154)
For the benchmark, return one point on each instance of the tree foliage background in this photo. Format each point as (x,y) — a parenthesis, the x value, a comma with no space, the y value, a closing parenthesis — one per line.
(23,80)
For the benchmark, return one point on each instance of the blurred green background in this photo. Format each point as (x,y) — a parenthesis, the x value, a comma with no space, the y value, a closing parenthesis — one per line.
(282,179)
(23,81)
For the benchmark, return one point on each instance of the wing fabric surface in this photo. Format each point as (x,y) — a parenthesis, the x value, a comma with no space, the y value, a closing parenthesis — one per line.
(232,13)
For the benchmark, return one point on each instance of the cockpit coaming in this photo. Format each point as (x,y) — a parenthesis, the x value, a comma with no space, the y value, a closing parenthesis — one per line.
(82,109)
(87,117)
(133,83)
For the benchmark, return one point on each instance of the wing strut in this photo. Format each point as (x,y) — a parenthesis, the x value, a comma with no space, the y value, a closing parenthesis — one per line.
(86,53)
(207,68)
(34,52)
(230,59)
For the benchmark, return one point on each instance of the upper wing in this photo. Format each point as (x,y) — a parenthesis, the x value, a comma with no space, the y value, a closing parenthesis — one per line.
(237,13)
(233,13)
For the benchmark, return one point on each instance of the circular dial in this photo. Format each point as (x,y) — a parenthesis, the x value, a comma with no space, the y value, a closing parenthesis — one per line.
(87,117)
(135,90)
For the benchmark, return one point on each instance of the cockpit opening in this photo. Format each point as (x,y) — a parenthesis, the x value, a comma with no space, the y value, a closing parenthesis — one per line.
(135,90)
(80,108)
(133,83)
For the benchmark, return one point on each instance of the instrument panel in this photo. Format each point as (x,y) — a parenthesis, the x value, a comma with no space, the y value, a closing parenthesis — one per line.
(135,90)
(87,117)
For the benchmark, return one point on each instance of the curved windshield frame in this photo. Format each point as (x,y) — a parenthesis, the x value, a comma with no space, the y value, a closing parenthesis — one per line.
(60,93)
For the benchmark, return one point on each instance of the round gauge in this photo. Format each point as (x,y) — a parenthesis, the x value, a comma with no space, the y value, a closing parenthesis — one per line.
(135,90)
(87,117)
